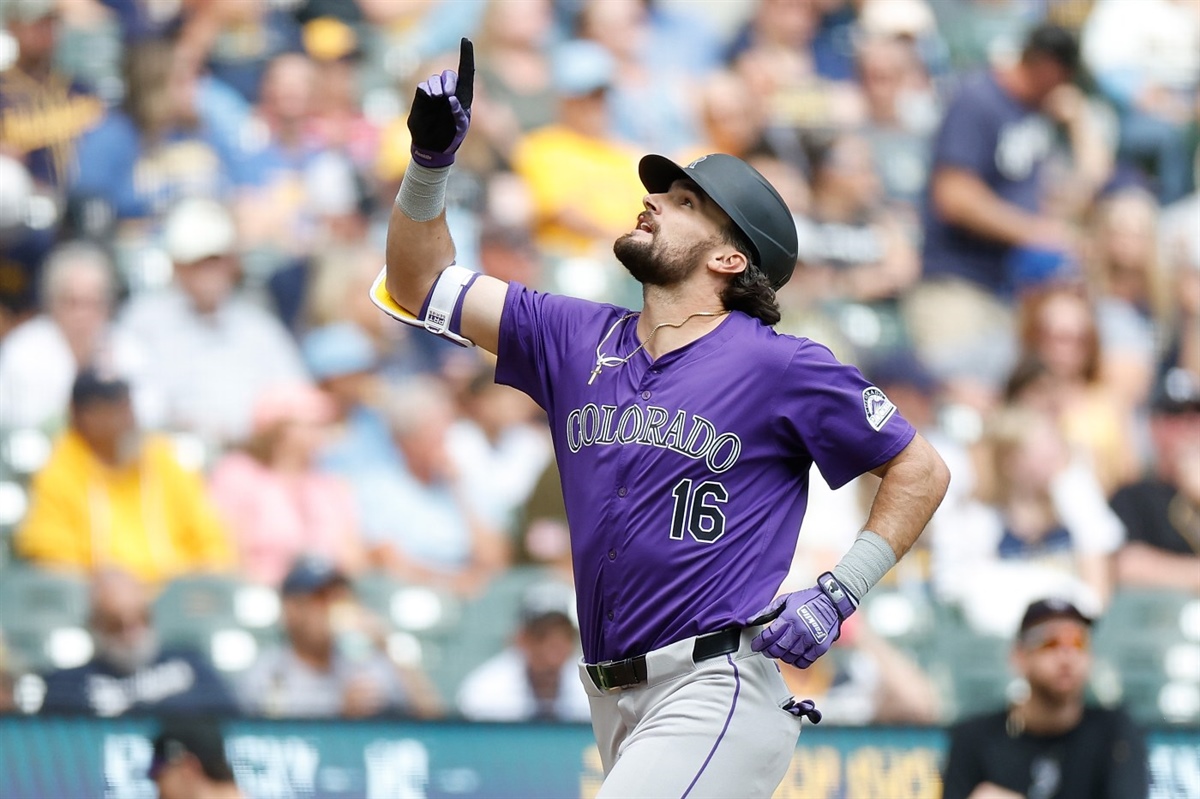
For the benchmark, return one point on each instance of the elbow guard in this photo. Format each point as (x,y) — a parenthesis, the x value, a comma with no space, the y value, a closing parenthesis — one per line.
(442,312)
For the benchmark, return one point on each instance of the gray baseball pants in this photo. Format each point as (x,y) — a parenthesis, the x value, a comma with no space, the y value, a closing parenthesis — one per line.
(709,730)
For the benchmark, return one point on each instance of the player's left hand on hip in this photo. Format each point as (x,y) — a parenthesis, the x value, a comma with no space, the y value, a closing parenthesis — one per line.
(441,112)
(806,623)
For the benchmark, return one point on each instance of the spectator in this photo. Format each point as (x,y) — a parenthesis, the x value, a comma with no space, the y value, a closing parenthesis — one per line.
(435,536)
(1134,306)
(901,111)
(536,678)
(570,223)
(188,762)
(500,446)
(338,290)
(982,208)
(650,99)
(774,53)
(1039,524)
(338,121)
(237,42)
(1052,744)
(514,90)
(331,664)
(275,501)
(1183,347)
(210,351)
(23,247)
(39,359)
(109,496)
(130,671)
(851,244)
(42,112)
(1060,345)
(1145,57)
(1161,512)
(732,120)
(176,135)
(342,359)
(867,681)
(297,181)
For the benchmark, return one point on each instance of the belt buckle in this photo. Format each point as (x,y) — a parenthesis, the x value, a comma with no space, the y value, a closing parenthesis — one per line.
(614,674)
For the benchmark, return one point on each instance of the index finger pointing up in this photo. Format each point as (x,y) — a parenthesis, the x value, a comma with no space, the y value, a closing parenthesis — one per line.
(466,73)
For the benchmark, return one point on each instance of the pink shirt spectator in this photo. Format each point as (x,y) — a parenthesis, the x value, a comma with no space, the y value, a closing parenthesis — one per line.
(276,503)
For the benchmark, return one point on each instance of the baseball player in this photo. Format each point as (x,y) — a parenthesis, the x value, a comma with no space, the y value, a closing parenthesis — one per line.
(684,433)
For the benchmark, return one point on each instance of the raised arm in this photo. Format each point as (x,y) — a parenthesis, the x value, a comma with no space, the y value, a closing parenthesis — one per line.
(419,246)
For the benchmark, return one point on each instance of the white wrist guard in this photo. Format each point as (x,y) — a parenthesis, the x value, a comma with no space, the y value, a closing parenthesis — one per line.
(442,311)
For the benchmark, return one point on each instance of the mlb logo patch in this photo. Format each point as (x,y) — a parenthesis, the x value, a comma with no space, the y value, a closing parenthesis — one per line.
(877,407)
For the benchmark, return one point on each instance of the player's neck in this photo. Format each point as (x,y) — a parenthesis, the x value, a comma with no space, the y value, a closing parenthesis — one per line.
(673,318)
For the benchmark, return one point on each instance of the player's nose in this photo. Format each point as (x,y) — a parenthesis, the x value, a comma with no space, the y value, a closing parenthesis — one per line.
(651,202)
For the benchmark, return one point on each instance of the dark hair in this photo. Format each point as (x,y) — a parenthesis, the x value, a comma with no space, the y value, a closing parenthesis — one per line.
(750,291)
(1055,43)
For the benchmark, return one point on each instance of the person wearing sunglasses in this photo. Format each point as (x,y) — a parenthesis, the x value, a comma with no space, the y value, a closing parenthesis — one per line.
(1052,744)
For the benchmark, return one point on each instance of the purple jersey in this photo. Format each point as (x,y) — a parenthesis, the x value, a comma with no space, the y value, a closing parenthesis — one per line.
(686,478)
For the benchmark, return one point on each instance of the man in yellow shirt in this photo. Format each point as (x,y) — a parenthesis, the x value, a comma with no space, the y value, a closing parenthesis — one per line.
(580,217)
(108,497)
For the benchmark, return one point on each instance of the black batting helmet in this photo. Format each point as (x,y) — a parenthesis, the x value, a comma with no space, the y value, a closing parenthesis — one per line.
(740,191)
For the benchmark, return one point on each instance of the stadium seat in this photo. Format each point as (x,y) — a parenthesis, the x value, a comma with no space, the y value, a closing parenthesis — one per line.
(223,618)
(422,623)
(972,670)
(44,616)
(1151,640)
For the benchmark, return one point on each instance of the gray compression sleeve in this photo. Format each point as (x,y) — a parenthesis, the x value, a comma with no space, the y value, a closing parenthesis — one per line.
(422,193)
(868,559)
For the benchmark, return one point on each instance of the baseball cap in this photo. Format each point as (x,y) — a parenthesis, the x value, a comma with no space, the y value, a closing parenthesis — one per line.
(94,384)
(338,349)
(740,191)
(198,228)
(309,574)
(330,39)
(196,737)
(581,67)
(1177,392)
(298,402)
(1051,608)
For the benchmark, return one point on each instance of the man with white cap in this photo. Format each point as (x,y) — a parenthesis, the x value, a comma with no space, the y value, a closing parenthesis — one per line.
(210,350)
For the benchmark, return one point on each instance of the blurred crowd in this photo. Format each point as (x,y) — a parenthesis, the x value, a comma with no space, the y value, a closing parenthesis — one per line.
(999,222)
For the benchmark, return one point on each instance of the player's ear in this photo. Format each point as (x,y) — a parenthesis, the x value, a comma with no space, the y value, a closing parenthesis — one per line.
(728,260)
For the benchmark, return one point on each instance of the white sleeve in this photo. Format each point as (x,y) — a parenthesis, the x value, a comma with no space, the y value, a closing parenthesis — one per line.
(1079,501)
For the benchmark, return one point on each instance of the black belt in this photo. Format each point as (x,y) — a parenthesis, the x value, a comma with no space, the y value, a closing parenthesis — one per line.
(631,671)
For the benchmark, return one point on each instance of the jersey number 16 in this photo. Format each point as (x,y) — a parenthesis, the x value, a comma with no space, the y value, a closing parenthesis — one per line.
(698,512)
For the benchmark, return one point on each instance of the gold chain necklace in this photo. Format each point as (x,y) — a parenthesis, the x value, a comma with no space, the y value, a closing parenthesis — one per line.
(603,360)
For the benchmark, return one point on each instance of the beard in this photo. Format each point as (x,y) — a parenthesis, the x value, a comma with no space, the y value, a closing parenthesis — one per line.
(654,263)
(126,658)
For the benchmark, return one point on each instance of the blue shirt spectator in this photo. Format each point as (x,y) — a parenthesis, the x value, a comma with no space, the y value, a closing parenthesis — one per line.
(1001,141)
(129,671)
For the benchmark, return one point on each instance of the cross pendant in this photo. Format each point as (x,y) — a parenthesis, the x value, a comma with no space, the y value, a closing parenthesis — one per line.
(595,372)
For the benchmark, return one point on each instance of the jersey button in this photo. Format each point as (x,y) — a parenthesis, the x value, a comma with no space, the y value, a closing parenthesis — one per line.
(612,554)
(645,395)
(622,491)
(610,615)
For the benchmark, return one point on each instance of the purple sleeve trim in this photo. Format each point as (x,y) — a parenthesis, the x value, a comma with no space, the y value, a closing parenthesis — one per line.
(456,315)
